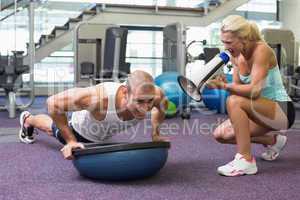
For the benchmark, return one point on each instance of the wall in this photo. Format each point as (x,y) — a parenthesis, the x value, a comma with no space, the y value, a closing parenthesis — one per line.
(290,15)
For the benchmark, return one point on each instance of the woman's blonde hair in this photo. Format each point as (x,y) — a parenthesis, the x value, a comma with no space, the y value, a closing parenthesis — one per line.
(241,27)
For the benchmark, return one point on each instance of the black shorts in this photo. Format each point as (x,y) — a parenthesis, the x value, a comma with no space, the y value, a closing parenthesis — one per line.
(57,135)
(289,110)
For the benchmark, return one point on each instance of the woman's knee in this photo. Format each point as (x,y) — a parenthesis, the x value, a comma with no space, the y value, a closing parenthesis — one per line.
(219,138)
(234,101)
(223,134)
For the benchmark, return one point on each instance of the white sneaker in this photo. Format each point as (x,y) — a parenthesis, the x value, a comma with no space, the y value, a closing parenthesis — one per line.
(238,167)
(273,151)
(26,134)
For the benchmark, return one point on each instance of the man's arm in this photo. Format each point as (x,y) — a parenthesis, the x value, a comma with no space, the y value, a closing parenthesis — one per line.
(70,100)
(158,114)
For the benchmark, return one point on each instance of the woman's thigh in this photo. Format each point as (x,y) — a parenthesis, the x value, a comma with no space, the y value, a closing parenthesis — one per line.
(262,111)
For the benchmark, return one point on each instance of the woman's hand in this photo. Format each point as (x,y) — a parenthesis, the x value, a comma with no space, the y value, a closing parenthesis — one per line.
(221,77)
(218,82)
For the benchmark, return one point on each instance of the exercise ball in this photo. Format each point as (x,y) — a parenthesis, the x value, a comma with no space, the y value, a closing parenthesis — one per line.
(215,99)
(121,161)
(167,81)
(171,110)
(229,78)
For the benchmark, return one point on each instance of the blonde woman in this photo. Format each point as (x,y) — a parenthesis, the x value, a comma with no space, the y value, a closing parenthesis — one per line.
(258,103)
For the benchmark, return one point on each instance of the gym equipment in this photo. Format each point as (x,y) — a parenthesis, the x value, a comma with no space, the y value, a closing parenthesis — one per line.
(229,78)
(168,83)
(174,48)
(215,99)
(171,110)
(191,58)
(100,51)
(283,42)
(121,161)
(11,70)
(194,87)
(114,66)
(176,55)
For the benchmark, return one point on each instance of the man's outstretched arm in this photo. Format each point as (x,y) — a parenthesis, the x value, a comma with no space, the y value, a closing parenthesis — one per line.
(158,115)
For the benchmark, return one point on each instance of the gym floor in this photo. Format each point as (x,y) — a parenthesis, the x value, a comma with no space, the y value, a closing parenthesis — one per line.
(38,171)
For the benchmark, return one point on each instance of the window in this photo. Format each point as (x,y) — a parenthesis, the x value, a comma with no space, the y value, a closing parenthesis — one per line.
(144,50)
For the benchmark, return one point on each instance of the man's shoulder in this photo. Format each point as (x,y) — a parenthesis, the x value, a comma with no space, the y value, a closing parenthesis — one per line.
(159,91)
(159,95)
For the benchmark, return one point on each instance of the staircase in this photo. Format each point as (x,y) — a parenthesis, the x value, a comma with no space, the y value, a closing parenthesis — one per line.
(7,8)
(61,36)
(4,4)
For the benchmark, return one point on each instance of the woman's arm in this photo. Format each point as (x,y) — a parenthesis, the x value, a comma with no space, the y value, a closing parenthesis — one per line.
(259,72)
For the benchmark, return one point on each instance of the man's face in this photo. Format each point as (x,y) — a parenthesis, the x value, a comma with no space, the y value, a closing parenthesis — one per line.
(231,43)
(141,100)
